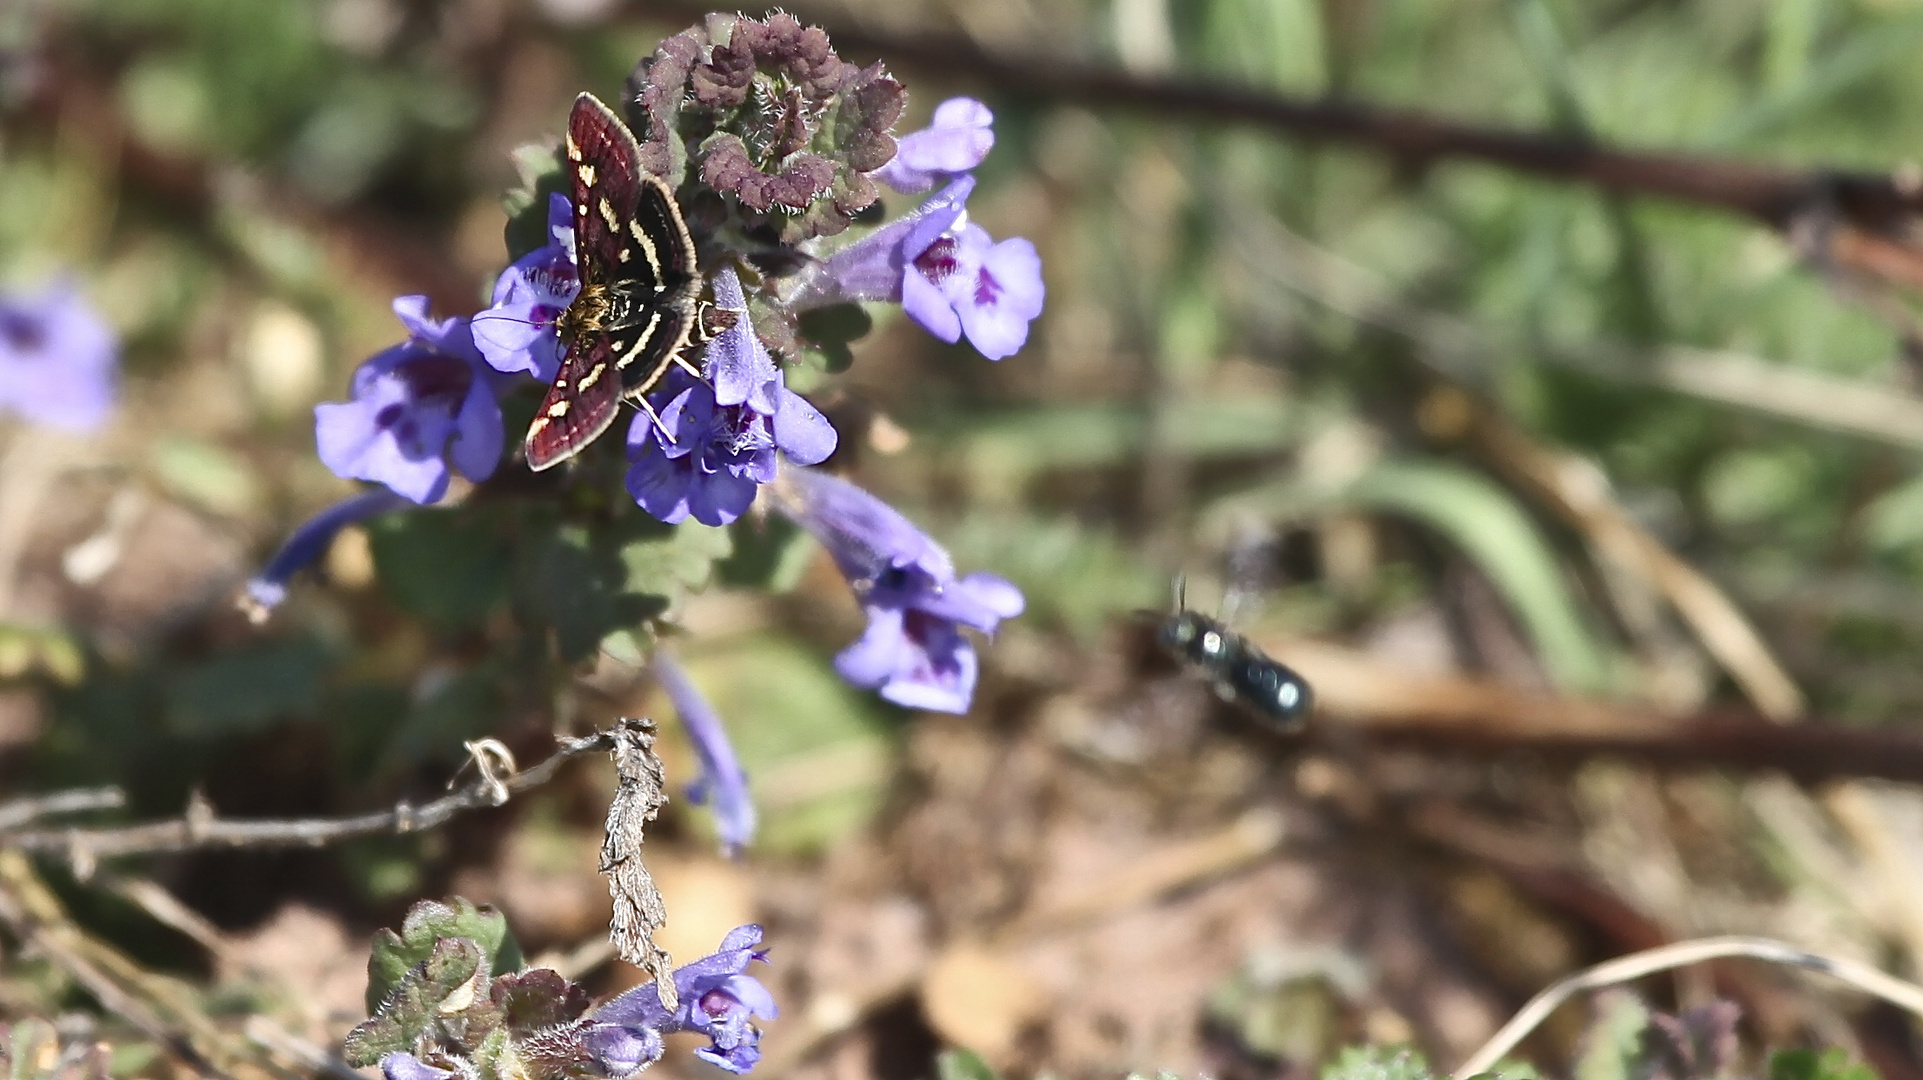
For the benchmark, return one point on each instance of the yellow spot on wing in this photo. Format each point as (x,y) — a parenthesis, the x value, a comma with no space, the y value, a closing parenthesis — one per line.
(558,409)
(607,214)
(647,243)
(593,376)
(585,172)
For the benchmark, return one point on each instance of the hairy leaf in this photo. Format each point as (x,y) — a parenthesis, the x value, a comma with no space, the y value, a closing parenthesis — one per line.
(427,922)
(442,986)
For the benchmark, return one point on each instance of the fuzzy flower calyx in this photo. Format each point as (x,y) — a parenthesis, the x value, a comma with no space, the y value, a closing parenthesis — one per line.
(765,113)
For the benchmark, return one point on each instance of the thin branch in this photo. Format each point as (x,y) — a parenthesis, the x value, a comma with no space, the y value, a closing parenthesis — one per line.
(1636,965)
(29,808)
(198,828)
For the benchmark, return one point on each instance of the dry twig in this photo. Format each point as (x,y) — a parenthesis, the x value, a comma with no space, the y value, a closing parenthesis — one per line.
(638,909)
(198,828)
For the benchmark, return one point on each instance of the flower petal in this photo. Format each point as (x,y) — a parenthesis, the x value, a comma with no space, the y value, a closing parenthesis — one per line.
(925,302)
(873,659)
(801,431)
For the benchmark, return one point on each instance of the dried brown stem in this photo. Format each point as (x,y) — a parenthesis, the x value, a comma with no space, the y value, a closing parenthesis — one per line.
(198,828)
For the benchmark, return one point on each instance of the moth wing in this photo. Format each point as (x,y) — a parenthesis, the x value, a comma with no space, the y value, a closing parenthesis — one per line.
(627,225)
(580,404)
(645,349)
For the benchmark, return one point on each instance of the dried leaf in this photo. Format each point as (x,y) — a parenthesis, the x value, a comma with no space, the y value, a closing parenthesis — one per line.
(638,910)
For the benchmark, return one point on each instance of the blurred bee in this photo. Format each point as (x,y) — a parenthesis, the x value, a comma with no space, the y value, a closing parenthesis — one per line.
(1235,669)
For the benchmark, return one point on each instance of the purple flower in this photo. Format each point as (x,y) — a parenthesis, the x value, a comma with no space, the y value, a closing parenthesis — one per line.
(412,403)
(717,1000)
(267,589)
(58,358)
(947,273)
(955,141)
(722,780)
(966,283)
(913,650)
(517,332)
(717,437)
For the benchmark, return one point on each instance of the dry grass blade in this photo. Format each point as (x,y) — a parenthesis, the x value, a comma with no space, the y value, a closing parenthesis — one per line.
(1623,969)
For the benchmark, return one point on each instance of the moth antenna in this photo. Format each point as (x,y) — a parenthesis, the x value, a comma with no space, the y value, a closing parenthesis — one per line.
(688,367)
(655,417)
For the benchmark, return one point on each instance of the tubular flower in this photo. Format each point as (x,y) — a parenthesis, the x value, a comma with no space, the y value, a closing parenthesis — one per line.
(947,273)
(717,437)
(307,544)
(723,784)
(957,139)
(58,359)
(415,406)
(516,333)
(913,651)
(717,1000)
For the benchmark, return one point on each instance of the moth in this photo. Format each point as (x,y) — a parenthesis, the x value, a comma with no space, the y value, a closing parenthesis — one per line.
(638,307)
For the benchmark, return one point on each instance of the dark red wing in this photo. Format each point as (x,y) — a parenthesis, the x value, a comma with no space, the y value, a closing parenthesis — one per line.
(579,406)
(626,224)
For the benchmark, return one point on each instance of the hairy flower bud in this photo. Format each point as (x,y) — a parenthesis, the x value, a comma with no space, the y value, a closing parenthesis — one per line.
(765,112)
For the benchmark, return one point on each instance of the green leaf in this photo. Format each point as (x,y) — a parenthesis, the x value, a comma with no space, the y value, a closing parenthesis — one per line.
(1485,522)
(963,1065)
(829,331)
(1376,1063)
(25,650)
(679,561)
(1831,1064)
(450,567)
(246,689)
(771,553)
(430,921)
(539,166)
(578,587)
(209,476)
(1613,1045)
(442,984)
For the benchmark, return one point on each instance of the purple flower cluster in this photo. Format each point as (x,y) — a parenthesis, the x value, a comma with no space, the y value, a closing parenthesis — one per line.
(717,1000)
(718,435)
(913,650)
(948,273)
(415,407)
(58,359)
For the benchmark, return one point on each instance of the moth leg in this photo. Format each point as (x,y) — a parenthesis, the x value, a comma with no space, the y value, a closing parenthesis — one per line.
(711,320)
